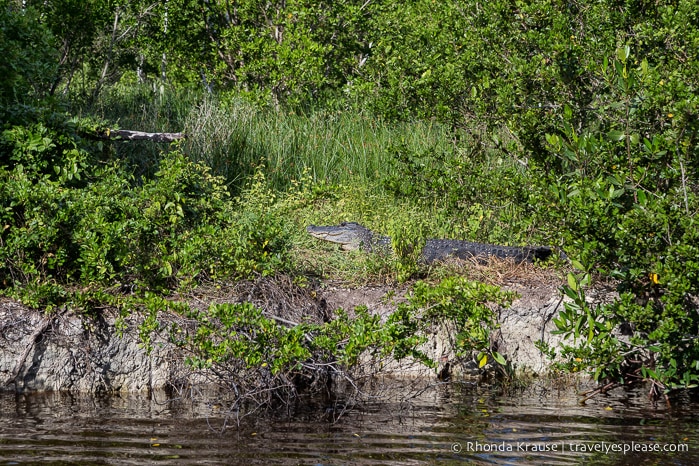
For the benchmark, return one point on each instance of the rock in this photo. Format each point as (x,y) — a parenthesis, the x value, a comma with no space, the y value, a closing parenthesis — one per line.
(81,355)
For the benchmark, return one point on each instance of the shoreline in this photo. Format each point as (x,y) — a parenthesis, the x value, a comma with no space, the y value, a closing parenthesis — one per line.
(77,353)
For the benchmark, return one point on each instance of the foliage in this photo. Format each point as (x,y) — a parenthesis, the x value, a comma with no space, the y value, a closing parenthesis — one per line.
(611,181)
(627,205)
(263,358)
(484,198)
(540,122)
(592,329)
(70,220)
(29,64)
(459,309)
(241,334)
(408,238)
(657,352)
(288,50)
(250,347)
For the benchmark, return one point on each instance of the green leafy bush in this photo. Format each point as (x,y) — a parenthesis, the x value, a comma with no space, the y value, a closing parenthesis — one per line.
(460,308)
(68,222)
(627,204)
(482,196)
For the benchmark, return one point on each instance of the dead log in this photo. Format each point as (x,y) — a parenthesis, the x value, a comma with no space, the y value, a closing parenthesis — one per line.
(128,135)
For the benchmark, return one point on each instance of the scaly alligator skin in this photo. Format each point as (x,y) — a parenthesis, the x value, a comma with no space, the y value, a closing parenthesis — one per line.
(351,235)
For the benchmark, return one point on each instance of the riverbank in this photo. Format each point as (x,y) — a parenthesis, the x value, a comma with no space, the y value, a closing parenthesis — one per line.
(66,351)
(583,139)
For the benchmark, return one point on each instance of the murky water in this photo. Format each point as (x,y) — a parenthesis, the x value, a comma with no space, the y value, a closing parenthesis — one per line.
(456,424)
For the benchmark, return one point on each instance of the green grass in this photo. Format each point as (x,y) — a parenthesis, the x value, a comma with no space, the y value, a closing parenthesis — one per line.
(332,164)
(234,137)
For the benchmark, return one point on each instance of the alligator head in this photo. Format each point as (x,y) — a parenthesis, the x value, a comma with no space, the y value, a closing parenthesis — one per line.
(349,235)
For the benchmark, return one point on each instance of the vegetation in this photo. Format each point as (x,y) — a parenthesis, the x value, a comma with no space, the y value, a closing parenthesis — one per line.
(542,122)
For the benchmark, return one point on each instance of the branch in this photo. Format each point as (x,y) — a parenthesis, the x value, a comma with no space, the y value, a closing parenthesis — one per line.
(127,135)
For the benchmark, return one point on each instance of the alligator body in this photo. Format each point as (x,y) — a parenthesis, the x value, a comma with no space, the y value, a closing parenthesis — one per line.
(352,235)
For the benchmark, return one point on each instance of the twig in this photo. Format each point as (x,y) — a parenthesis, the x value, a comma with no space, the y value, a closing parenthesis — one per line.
(595,392)
(684,187)
(289,322)
(282,320)
(548,318)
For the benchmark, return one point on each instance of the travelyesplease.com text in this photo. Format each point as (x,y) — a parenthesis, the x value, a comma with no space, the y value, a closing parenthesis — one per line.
(578,447)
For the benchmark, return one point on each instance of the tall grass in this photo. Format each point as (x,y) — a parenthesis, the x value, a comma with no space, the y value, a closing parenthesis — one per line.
(235,137)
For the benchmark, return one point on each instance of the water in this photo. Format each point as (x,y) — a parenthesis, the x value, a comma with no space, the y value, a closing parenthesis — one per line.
(461,424)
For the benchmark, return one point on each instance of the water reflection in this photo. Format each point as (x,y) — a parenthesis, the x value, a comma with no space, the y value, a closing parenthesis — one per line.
(447,424)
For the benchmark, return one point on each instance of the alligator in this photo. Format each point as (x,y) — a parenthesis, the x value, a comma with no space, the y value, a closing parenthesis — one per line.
(352,236)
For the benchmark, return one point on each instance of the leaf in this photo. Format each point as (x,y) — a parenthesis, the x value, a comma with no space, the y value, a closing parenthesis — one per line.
(642,199)
(623,53)
(620,69)
(585,280)
(499,358)
(576,264)
(552,139)
(567,111)
(578,326)
(572,282)
(644,66)
(616,135)
(483,361)
(616,193)
(648,145)
(572,294)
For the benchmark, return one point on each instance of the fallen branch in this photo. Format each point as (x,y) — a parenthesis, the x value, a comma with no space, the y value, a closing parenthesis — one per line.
(128,135)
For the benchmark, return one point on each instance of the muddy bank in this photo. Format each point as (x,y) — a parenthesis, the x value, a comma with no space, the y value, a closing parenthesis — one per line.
(66,351)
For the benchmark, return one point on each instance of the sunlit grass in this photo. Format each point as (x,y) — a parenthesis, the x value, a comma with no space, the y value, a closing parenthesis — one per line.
(349,150)
(234,136)
(337,147)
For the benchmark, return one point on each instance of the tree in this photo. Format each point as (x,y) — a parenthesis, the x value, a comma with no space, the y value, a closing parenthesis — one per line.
(28,67)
